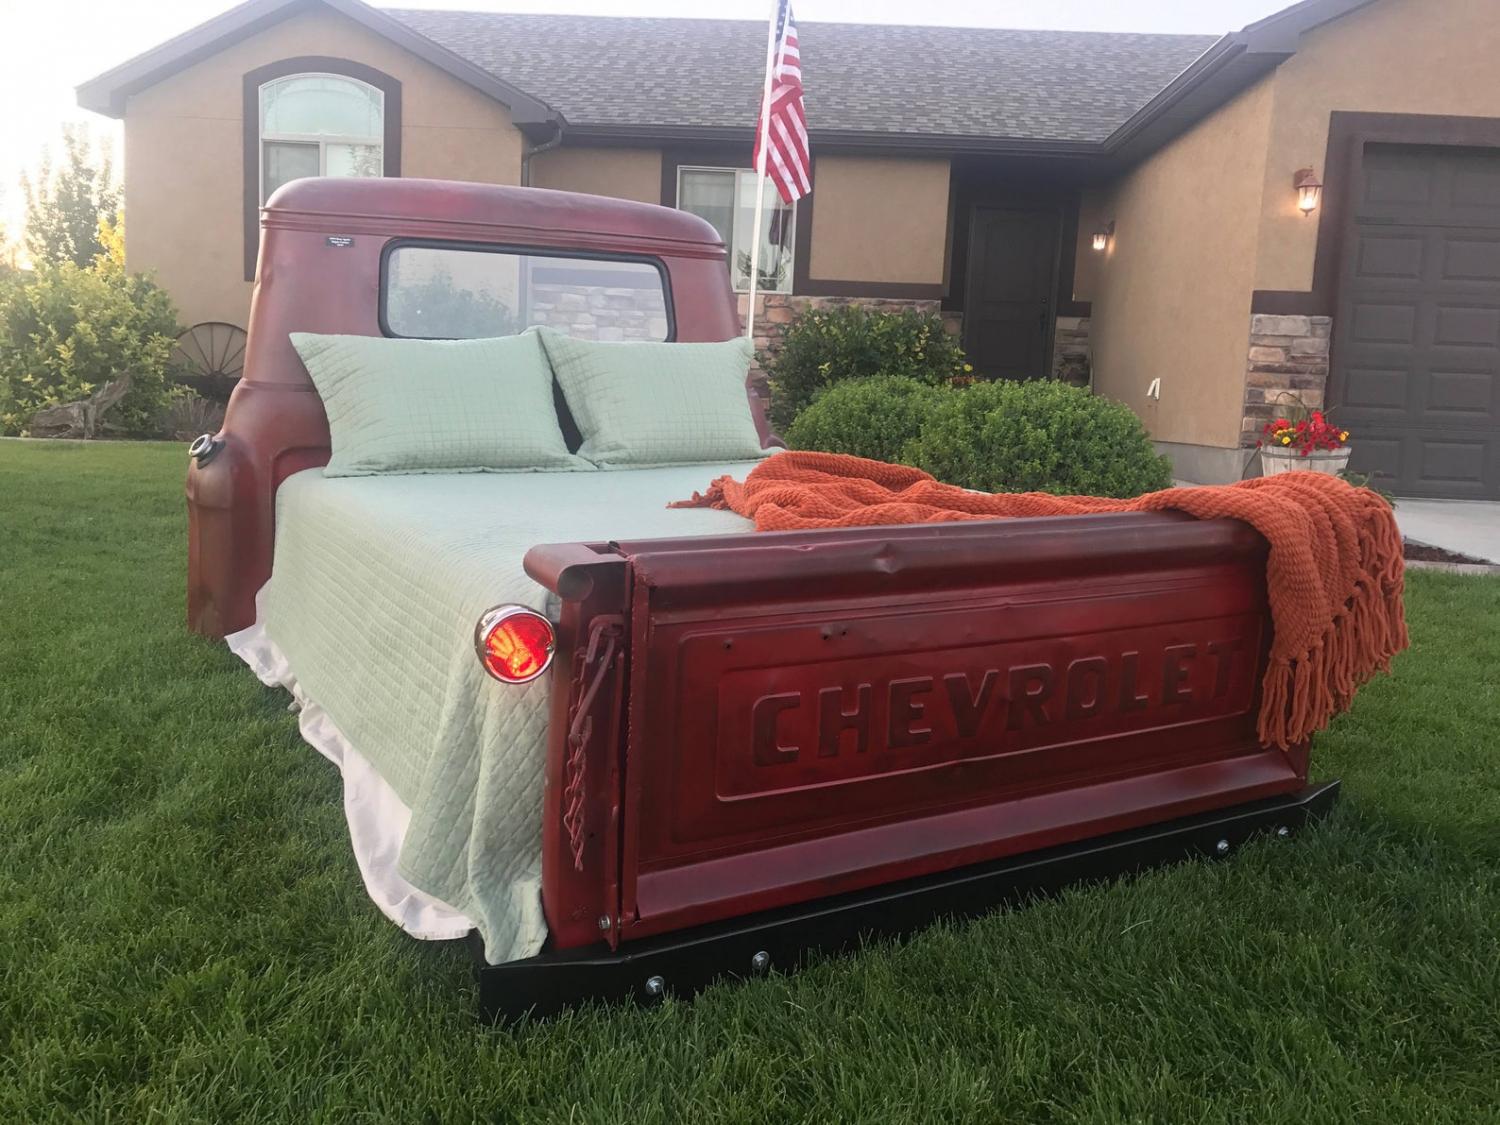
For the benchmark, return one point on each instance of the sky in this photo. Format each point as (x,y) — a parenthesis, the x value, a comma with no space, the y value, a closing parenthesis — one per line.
(49,46)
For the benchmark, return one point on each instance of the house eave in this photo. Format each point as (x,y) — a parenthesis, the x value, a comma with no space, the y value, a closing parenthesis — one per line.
(1282,31)
(839,140)
(1215,78)
(109,92)
(1232,65)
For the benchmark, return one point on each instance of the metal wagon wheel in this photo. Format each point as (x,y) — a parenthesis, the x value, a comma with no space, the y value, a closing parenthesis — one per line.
(211,356)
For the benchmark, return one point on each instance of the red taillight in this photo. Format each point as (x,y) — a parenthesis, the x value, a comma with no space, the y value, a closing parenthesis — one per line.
(515,644)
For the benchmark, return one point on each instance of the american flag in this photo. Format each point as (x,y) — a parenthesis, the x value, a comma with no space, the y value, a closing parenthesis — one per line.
(787,160)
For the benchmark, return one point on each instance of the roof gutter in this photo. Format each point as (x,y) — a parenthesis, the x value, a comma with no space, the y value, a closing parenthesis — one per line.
(542,146)
(843,140)
(1199,73)
(1233,64)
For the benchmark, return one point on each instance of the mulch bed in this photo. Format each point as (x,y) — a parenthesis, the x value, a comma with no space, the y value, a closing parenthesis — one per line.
(1421,552)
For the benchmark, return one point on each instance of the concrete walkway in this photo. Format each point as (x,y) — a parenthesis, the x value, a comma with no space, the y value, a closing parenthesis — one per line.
(1470,527)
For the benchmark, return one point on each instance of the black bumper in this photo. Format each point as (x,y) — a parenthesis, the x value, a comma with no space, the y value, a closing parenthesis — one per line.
(686,961)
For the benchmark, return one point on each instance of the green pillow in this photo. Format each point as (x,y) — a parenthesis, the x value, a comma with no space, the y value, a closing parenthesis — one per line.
(639,404)
(436,406)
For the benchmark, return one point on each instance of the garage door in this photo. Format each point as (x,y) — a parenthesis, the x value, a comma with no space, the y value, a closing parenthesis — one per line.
(1417,336)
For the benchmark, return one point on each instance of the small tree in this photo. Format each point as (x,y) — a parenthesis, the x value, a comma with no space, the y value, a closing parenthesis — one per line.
(64,206)
(111,239)
(8,265)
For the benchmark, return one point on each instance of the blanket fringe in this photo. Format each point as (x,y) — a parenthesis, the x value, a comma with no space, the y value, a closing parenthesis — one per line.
(1302,695)
(713,498)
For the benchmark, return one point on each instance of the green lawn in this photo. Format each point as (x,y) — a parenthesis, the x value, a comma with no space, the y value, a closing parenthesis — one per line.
(184,936)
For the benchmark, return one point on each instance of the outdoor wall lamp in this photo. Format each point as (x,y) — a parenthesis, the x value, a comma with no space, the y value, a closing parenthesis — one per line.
(1103,235)
(1309,190)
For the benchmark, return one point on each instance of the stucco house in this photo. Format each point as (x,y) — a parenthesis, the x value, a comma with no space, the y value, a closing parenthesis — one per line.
(1195,225)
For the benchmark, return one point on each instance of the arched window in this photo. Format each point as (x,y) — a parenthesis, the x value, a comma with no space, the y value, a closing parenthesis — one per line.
(319,125)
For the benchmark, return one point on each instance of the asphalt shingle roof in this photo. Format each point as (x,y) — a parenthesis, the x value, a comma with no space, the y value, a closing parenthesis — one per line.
(934,81)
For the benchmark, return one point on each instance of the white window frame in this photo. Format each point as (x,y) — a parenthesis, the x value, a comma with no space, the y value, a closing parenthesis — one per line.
(734,210)
(322,140)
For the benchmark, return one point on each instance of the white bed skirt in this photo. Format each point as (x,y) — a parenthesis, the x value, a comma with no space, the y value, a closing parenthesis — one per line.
(377,817)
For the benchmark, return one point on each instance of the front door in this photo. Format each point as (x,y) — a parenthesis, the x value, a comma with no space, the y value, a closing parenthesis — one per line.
(1011,282)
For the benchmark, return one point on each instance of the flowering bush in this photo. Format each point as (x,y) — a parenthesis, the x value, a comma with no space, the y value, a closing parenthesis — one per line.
(1311,433)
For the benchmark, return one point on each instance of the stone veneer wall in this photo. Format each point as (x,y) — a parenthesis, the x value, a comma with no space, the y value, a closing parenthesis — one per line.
(1288,355)
(594,312)
(1072,360)
(774,313)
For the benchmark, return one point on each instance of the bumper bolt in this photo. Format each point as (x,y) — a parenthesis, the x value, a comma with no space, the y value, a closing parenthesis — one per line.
(1222,847)
(1283,832)
(761,961)
(655,986)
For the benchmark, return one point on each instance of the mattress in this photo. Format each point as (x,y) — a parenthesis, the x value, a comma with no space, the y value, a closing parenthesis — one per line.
(368,619)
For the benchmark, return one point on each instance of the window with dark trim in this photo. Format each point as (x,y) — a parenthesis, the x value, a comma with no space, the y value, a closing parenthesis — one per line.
(319,125)
(725,197)
(315,115)
(451,291)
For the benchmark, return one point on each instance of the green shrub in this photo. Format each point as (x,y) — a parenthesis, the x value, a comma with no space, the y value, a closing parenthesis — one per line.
(66,330)
(187,415)
(823,346)
(1039,436)
(436,308)
(875,417)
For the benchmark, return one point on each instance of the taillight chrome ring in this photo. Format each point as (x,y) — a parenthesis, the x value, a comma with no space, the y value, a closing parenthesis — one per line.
(515,644)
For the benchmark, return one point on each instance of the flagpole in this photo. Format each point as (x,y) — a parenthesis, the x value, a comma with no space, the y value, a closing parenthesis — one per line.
(764,127)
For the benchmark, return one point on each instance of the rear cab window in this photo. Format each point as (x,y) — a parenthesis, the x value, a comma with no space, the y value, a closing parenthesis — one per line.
(448,292)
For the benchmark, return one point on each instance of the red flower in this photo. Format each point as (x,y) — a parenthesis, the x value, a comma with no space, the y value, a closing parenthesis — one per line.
(1307,436)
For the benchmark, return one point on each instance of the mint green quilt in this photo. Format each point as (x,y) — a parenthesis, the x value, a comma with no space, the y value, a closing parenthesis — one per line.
(373,597)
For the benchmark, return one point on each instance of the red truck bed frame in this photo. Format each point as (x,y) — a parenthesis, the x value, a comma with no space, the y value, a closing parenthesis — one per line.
(765,744)
(874,721)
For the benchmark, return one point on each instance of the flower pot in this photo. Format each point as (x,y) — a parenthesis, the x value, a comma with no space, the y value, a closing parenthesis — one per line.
(1329,461)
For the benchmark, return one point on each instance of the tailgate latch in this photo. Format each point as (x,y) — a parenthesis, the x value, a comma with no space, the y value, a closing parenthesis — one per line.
(598,661)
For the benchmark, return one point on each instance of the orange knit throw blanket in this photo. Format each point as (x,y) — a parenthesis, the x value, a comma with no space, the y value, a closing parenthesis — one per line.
(1335,572)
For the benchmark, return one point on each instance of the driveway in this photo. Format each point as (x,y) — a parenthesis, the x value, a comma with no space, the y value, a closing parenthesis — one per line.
(1470,527)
